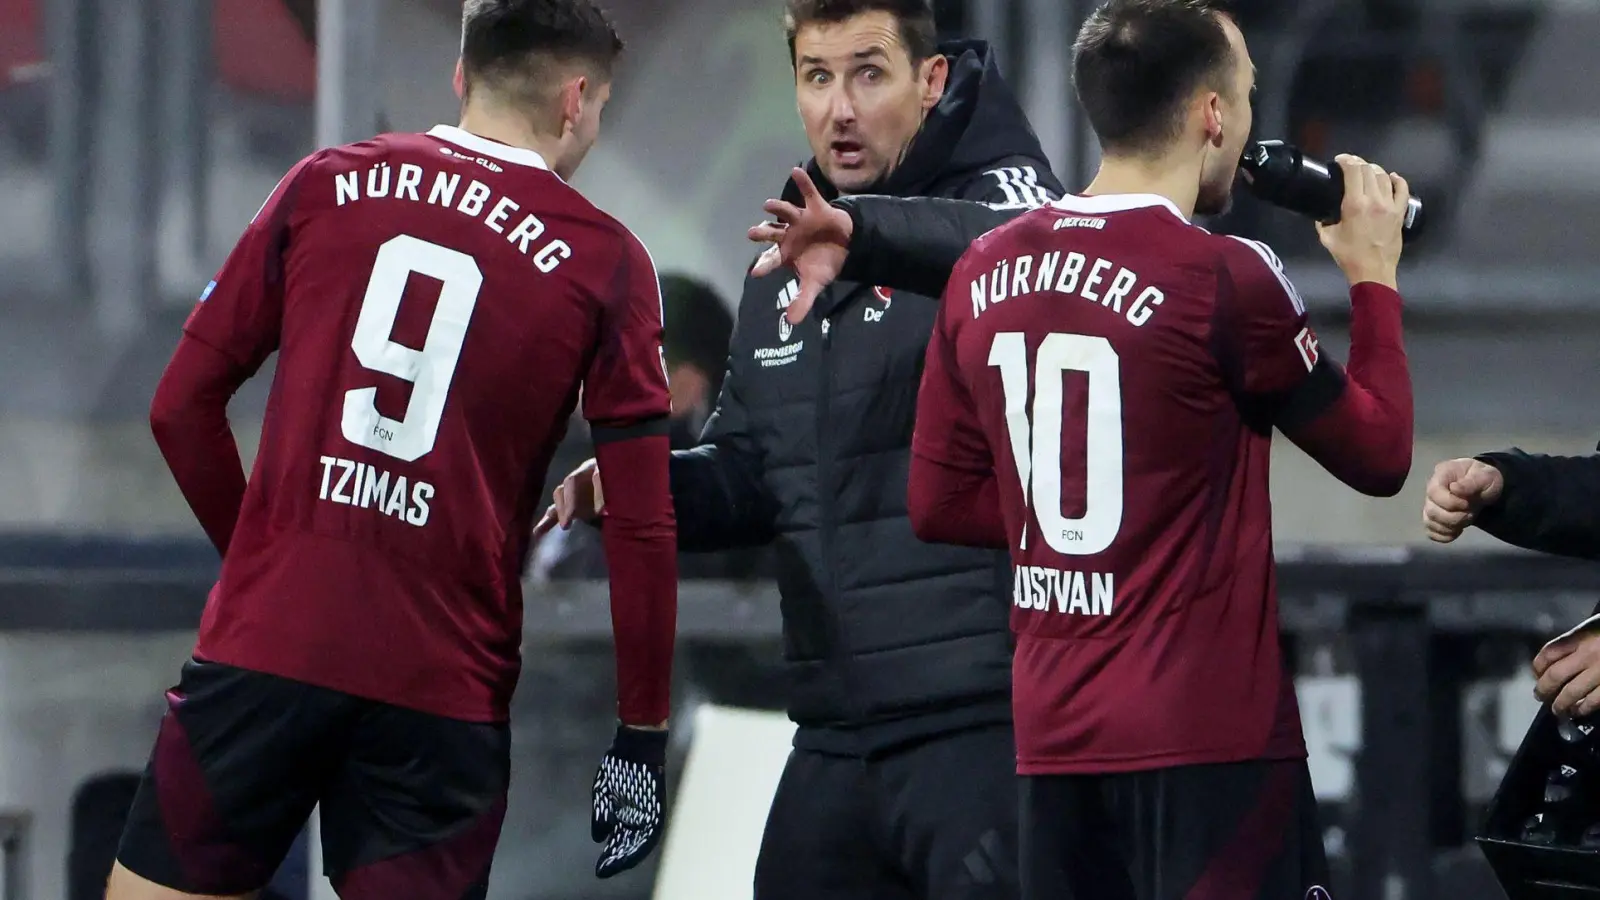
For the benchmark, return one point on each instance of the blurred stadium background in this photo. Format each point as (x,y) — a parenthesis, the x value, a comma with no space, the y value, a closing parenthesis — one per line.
(138,136)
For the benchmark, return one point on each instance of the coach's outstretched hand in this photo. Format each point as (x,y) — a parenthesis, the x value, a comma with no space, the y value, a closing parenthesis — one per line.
(812,241)
(1366,241)
(630,789)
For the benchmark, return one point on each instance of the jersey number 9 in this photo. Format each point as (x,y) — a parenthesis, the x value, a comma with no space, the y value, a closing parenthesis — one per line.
(429,370)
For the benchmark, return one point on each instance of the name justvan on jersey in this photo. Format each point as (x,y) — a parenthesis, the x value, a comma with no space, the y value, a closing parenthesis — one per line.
(1059,591)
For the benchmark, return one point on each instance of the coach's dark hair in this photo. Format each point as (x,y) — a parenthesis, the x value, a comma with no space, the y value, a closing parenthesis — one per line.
(516,45)
(1136,63)
(917,29)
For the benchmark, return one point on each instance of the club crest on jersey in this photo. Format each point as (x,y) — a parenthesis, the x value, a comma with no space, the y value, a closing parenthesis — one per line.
(1318,892)
(1306,343)
(784,352)
(880,294)
(786,297)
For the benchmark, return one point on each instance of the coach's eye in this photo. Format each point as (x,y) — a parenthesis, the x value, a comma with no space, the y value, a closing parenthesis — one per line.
(817,77)
(872,73)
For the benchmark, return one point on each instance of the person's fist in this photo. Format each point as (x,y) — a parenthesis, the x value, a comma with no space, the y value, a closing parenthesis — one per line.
(1458,489)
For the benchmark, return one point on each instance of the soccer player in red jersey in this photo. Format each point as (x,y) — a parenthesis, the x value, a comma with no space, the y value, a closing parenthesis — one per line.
(1099,396)
(436,301)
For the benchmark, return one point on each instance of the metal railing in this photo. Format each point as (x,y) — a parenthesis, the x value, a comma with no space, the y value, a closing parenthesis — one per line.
(1397,618)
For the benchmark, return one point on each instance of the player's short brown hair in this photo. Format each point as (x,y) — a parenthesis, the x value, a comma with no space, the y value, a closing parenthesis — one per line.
(917,29)
(1137,62)
(522,46)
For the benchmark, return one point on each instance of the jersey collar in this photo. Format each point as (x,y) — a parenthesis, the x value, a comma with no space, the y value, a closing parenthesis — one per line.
(503,152)
(1110,203)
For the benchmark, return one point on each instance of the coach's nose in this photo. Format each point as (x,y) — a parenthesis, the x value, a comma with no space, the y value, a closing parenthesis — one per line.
(842,109)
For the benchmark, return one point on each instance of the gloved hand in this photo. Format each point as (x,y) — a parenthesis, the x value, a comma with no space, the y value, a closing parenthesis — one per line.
(630,789)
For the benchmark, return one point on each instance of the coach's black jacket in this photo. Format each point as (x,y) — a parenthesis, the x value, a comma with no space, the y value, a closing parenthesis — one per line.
(1550,503)
(886,638)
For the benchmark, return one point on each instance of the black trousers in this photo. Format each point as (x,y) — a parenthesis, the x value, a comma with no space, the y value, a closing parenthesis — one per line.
(933,821)
(1237,831)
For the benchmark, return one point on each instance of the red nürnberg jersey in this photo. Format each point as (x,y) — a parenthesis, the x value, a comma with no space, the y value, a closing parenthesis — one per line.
(437,301)
(1116,358)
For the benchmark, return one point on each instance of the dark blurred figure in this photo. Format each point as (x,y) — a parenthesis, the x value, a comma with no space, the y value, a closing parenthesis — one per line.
(695,340)
(698,327)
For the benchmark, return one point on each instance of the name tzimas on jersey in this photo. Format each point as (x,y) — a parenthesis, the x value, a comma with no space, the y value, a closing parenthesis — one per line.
(382,181)
(373,488)
(1055,590)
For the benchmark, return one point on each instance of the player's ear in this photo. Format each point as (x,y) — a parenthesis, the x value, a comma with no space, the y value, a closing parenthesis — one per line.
(460,81)
(572,101)
(933,74)
(1211,114)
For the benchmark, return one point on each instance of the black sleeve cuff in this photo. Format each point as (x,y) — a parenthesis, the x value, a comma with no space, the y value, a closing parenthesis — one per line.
(640,745)
(1320,390)
(606,434)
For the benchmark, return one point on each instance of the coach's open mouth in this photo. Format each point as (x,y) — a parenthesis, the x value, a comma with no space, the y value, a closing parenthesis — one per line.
(846,153)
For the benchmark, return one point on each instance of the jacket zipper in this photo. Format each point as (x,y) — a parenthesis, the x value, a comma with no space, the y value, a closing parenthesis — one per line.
(825,509)
(824,459)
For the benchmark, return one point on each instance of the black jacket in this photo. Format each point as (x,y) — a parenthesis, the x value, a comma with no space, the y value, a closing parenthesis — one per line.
(885,638)
(1550,503)
(912,244)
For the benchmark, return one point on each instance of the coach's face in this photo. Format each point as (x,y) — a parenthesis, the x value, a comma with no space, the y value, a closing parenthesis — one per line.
(861,98)
(1228,116)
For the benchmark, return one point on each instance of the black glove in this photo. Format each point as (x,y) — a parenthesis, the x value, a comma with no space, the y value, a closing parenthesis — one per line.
(629,790)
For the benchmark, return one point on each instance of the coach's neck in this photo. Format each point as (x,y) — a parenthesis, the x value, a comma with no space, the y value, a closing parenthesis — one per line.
(1170,176)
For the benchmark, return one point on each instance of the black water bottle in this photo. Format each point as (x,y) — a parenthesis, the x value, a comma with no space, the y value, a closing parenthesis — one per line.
(1568,807)
(1283,176)
(1580,738)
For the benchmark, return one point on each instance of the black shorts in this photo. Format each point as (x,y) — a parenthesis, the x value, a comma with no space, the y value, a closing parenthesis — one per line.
(933,821)
(1237,831)
(411,803)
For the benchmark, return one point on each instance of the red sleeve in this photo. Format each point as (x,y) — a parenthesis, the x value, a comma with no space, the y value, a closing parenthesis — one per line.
(955,506)
(640,539)
(241,312)
(189,418)
(1364,437)
(953,496)
(1357,424)
(626,401)
(627,381)
(1270,347)
(230,333)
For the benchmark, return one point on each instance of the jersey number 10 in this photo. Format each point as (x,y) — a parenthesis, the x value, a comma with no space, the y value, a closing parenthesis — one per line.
(429,370)
(1036,444)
